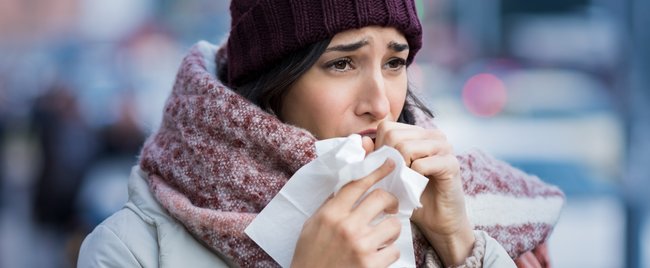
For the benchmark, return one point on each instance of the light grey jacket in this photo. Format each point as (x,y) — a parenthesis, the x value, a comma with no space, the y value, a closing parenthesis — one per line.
(143,234)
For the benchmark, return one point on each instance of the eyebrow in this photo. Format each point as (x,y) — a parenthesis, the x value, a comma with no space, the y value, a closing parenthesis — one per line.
(397,47)
(348,47)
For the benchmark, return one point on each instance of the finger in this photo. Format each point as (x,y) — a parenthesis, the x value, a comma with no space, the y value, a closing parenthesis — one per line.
(438,167)
(351,192)
(533,261)
(523,262)
(385,233)
(391,133)
(527,260)
(374,204)
(368,144)
(541,253)
(385,257)
(412,150)
(386,127)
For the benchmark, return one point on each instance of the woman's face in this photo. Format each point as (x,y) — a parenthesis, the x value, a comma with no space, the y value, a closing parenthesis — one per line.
(359,81)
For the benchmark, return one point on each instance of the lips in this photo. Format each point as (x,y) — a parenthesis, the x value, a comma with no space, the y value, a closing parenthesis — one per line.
(371,133)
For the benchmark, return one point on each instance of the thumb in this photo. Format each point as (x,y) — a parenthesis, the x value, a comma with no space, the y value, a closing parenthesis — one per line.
(368,144)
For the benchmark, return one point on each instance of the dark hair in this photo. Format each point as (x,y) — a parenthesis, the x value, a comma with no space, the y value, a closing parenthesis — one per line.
(269,88)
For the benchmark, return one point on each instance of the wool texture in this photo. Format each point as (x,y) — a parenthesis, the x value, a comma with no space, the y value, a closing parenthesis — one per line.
(284,26)
(217,160)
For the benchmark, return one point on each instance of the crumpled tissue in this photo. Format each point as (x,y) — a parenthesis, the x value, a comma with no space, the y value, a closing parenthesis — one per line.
(277,227)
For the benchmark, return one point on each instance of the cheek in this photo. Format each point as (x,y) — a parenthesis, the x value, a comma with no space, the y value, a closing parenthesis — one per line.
(325,109)
(397,97)
(318,106)
(314,107)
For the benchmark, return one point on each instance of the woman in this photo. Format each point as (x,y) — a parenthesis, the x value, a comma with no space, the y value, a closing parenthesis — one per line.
(290,73)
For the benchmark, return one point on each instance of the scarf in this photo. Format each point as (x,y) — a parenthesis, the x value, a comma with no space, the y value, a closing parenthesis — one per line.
(217,160)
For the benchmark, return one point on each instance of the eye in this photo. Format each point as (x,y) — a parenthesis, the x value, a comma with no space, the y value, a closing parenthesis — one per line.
(395,63)
(340,65)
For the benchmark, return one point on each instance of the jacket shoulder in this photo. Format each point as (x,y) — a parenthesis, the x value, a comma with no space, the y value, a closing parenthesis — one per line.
(143,234)
(122,240)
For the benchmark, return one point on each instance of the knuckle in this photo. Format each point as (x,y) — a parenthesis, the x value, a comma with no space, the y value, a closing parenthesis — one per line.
(447,147)
(402,147)
(346,231)
(454,164)
(399,146)
(361,249)
(390,137)
(327,217)
(390,198)
(417,164)
(431,133)
(436,133)
(443,136)
(381,195)
(395,223)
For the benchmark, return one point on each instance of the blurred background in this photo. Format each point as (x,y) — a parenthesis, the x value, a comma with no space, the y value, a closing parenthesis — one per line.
(555,87)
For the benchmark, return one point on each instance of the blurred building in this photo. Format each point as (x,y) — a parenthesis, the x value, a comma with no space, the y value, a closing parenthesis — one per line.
(36,20)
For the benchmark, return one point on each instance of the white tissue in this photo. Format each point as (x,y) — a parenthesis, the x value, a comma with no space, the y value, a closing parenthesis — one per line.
(340,160)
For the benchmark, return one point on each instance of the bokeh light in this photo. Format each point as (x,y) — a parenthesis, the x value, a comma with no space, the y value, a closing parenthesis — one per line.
(484,95)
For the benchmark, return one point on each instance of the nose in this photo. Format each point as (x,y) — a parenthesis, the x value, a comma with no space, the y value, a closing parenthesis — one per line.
(373,98)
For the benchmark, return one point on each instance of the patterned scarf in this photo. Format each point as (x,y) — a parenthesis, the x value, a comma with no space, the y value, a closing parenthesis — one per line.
(219,159)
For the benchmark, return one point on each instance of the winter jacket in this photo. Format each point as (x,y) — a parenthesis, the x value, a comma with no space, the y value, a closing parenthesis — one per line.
(143,234)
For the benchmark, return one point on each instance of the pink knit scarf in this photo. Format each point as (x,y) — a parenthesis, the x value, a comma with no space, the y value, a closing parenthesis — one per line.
(220,159)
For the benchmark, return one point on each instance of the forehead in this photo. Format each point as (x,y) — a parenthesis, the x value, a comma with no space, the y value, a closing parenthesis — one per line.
(370,34)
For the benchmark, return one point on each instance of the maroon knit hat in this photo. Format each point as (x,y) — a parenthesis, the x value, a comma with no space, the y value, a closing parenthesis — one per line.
(264,31)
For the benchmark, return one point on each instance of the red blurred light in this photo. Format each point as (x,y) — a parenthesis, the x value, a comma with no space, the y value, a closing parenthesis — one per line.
(484,95)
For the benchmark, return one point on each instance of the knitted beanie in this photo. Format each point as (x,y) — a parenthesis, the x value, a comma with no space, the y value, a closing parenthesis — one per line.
(264,31)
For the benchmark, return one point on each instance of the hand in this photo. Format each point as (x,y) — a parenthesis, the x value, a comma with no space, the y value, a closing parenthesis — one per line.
(340,234)
(442,219)
(537,258)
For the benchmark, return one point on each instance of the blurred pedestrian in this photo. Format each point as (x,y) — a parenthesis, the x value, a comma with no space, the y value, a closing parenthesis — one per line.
(3,122)
(67,147)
